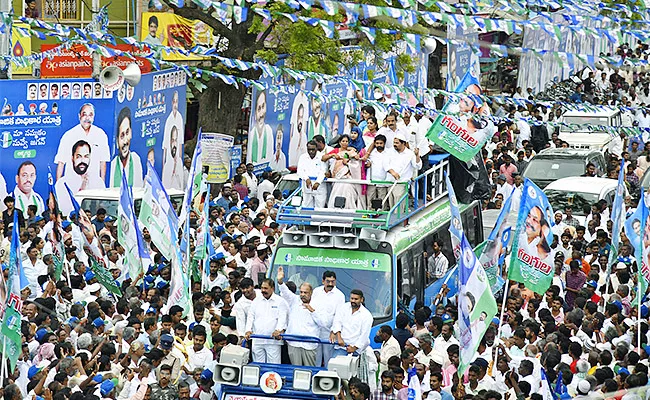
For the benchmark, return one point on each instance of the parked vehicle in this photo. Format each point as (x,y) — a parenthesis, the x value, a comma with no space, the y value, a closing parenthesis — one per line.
(552,164)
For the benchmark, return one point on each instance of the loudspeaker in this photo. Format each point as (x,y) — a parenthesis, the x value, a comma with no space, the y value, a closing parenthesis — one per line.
(372,234)
(294,238)
(326,383)
(227,374)
(376,204)
(234,355)
(339,202)
(321,239)
(344,366)
(429,45)
(348,241)
(112,78)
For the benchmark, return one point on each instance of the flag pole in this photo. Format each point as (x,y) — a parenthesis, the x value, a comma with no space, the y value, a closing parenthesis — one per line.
(3,369)
(638,310)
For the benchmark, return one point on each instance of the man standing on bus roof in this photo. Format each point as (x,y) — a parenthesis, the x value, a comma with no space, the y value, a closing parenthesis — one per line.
(267,316)
(312,167)
(403,163)
(302,321)
(351,328)
(328,298)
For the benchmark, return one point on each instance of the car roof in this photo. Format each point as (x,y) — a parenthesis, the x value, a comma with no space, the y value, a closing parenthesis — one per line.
(582,184)
(566,152)
(114,193)
(603,112)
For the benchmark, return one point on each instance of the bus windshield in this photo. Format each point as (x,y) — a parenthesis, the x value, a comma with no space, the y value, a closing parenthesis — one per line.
(369,272)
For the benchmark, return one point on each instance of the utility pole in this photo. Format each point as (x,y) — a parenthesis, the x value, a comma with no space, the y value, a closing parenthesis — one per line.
(94,26)
(5,39)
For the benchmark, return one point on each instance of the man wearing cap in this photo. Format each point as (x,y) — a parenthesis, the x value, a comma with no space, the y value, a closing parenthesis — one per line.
(171,359)
(403,164)
(107,389)
(267,316)
(503,187)
(260,263)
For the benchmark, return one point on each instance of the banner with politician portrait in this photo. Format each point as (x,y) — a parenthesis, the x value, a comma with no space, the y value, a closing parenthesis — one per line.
(463,126)
(52,124)
(531,261)
(150,128)
(284,119)
(89,137)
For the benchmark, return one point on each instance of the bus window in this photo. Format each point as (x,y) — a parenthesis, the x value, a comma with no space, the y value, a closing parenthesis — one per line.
(418,270)
(404,278)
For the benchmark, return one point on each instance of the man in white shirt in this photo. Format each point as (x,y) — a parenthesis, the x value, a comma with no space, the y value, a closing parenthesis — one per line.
(391,129)
(616,145)
(266,186)
(169,146)
(303,321)
(389,346)
(125,161)
(93,135)
(24,191)
(198,356)
(503,187)
(351,328)
(310,166)
(378,162)
(267,316)
(251,180)
(243,305)
(437,264)
(404,163)
(327,297)
(79,177)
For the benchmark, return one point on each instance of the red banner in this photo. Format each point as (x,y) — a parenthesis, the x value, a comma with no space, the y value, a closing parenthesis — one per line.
(76,62)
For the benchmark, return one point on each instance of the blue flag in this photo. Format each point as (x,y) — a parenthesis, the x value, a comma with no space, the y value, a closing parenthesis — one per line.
(15,261)
(618,213)
(456,225)
(129,235)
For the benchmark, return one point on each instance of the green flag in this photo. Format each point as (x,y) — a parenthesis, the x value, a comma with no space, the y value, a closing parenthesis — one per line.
(104,276)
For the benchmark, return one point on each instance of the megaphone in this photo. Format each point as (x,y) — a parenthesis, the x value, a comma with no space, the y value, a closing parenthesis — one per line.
(227,374)
(429,45)
(326,383)
(112,78)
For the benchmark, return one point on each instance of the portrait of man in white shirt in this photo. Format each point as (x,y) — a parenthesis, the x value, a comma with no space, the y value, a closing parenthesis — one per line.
(173,149)
(79,178)
(125,161)
(93,135)
(24,191)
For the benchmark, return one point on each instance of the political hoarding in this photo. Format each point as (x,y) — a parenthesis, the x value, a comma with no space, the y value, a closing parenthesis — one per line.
(531,260)
(77,61)
(71,126)
(216,156)
(283,121)
(172,30)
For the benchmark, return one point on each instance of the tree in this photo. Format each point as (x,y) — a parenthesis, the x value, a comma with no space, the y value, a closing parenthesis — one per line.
(305,47)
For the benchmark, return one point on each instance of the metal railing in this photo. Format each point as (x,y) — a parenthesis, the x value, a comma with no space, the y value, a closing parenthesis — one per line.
(420,192)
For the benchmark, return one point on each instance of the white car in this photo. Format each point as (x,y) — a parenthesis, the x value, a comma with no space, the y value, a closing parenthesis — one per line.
(580,193)
(109,199)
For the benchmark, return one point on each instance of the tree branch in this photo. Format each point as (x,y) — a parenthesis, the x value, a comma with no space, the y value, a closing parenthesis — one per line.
(265,34)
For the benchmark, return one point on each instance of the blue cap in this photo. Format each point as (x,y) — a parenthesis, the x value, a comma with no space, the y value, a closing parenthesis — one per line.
(38,218)
(33,370)
(162,284)
(4,267)
(166,341)
(151,310)
(593,284)
(495,321)
(109,219)
(206,375)
(234,209)
(218,256)
(644,311)
(72,321)
(285,193)
(220,229)
(89,275)
(65,224)
(98,378)
(446,318)
(161,266)
(225,236)
(192,325)
(235,236)
(73,214)
(247,199)
(106,387)
(40,334)
(98,322)
(149,279)
(623,371)
(213,203)
(618,304)
(152,267)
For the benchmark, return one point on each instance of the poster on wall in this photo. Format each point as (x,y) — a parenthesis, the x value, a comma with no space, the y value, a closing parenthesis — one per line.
(21,45)
(282,123)
(87,136)
(216,155)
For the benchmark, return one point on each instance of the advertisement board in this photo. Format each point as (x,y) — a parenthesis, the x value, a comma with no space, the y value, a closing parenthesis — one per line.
(282,123)
(171,30)
(216,155)
(71,127)
(21,45)
(76,62)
